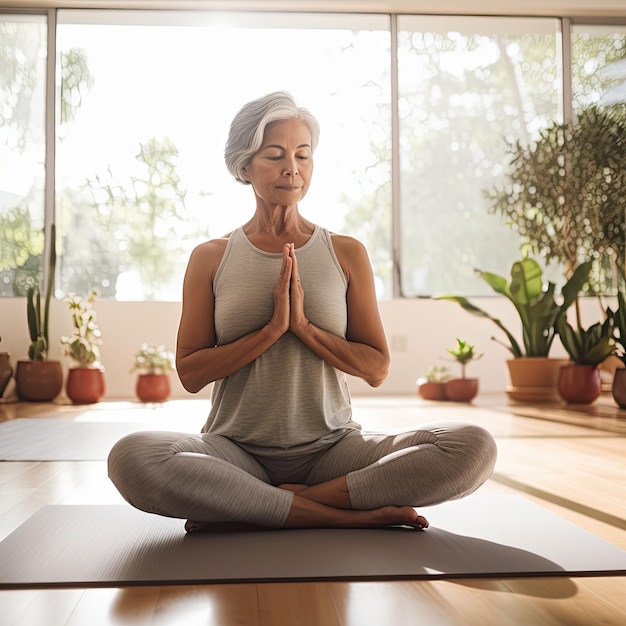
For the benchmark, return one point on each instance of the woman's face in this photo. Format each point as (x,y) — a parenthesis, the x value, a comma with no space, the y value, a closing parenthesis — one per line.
(280,172)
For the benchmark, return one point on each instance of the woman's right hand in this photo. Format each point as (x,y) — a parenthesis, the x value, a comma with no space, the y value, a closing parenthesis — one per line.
(282,309)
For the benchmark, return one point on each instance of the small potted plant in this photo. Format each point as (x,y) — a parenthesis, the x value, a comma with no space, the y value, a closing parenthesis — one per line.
(579,381)
(40,379)
(462,389)
(154,363)
(85,381)
(432,385)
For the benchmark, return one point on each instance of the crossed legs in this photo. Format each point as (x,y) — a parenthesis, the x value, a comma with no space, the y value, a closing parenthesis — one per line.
(362,481)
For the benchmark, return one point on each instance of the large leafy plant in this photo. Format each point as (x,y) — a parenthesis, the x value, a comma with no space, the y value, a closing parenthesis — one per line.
(534,302)
(565,193)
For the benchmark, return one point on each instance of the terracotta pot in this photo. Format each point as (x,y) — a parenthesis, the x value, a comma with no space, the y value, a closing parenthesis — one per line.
(579,384)
(39,381)
(534,379)
(619,387)
(85,385)
(462,389)
(6,371)
(153,387)
(431,390)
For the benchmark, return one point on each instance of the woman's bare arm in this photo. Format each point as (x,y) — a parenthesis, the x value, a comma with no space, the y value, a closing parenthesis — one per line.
(364,352)
(198,360)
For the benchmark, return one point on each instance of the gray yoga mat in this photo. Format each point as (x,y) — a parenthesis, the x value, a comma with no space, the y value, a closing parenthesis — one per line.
(480,536)
(47,439)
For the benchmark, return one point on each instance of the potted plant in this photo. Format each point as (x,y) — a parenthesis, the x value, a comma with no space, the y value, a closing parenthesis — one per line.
(432,385)
(462,389)
(564,195)
(85,381)
(579,381)
(532,373)
(154,363)
(39,379)
(618,388)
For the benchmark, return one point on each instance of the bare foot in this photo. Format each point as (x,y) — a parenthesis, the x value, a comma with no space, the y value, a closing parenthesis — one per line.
(305,513)
(398,516)
(334,499)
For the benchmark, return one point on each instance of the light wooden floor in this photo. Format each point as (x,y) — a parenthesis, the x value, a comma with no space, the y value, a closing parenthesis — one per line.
(570,460)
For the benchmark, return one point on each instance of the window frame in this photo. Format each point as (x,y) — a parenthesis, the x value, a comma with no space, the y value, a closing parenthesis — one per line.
(567,22)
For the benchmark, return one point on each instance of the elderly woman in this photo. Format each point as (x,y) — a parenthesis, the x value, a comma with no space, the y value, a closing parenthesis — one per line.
(276,313)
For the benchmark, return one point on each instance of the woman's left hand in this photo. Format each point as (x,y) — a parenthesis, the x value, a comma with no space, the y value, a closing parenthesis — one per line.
(296,295)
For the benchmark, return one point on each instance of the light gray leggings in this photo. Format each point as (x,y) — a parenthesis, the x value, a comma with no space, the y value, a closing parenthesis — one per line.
(209,478)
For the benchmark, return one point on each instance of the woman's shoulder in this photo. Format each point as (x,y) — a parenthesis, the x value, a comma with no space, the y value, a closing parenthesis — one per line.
(212,246)
(351,254)
(205,260)
(345,244)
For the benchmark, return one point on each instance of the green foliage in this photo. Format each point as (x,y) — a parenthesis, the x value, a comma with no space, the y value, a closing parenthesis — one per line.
(82,346)
(602,52)
(38,320)
(21,242)
(153,360)
(565,194)
(463,353)
(588,346)
(145,215)
(534,302)
(75,80)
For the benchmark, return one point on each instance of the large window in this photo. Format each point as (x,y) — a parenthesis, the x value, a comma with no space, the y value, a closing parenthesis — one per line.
(150,96)
(417,116)
(22,150)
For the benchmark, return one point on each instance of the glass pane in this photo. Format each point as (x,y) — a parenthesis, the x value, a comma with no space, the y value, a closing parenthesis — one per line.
(22,151)
(598,65)
(140,172)
(599,103)
(467,86)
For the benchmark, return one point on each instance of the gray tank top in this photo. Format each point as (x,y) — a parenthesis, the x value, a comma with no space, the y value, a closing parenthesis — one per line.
(288,398)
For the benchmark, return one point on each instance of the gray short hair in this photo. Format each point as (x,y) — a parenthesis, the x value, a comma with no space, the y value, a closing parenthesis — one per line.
(248,128)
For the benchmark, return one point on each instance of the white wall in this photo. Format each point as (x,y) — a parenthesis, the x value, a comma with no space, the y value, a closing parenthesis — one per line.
(419,331)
